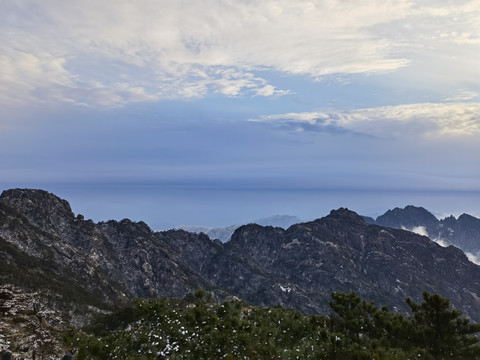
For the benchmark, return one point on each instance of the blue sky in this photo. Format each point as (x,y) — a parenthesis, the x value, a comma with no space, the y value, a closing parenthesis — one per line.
(219,112)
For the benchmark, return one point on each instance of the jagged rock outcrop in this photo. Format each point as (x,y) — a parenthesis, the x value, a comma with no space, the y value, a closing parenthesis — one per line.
(148,263)
(409,218)
(118,260)
(52,250)
(463,232)
(296,267)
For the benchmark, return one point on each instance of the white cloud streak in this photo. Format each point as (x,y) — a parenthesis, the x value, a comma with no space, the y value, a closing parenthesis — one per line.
(464,95)
(433,120)
(115,52)
(473,258)
(420,230)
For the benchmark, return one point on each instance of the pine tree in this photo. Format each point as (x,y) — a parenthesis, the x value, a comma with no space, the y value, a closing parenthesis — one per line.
(441,331)
(355,316)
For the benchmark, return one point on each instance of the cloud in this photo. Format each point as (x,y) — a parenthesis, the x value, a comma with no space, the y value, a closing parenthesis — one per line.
(464,95)
(442,242)
(24,73)
(473,258)
(424,120)
(459,23)
(181,49)
(421,230)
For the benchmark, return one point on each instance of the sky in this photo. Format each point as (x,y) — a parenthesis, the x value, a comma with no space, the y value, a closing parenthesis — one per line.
(218,112)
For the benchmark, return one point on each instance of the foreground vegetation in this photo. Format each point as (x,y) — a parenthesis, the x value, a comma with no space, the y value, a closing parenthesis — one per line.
(197,328)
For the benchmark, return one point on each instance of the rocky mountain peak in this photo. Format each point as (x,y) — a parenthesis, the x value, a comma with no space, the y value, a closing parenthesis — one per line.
(468,219)
(463,232)
(31,199)
(254,235)
(345,213)
(341,219)
(411,215)
(131,227)
(40,207)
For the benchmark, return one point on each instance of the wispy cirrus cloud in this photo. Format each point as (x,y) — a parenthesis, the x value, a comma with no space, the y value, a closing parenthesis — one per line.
(416,120)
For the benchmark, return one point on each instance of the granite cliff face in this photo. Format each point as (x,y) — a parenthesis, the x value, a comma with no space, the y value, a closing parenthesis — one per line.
(69,260)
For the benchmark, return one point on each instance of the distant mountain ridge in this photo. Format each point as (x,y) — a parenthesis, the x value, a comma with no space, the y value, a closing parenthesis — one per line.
(225,233)
(462,232)
(111,262)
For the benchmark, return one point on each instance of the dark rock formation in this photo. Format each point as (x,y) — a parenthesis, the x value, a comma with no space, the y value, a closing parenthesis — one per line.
(344,253)
(298,267)
(463,232)
(409,218)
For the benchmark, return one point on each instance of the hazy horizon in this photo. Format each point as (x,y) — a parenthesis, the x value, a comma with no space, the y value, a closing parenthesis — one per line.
(164,209)
(219,112)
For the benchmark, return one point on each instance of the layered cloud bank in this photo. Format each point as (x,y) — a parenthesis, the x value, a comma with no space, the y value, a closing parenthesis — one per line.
(117,52)
(426,119)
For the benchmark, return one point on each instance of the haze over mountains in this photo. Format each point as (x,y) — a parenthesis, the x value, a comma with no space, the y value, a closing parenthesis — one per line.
(78,267)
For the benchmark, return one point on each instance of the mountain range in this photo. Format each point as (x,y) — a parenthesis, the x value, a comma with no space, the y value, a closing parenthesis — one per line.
(225,233)
(81,268)
(462,232)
